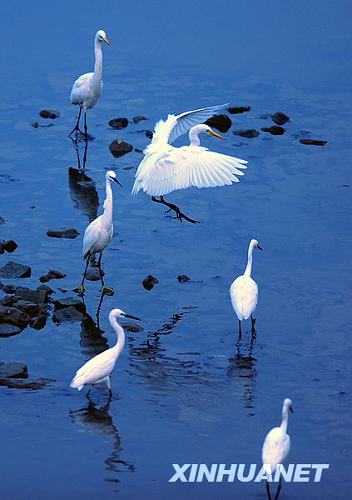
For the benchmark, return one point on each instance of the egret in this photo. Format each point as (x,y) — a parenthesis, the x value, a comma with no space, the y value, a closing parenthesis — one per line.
(98,369)
(87,88)
(166,168)
(98,234)
(277,446)
(244,291)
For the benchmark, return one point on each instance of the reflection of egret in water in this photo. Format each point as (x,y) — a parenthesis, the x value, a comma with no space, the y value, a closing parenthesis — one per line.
(242,370)
(92,339)
(82,188)
(98,420)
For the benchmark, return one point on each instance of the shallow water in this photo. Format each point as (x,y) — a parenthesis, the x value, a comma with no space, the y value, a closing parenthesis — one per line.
(183,391)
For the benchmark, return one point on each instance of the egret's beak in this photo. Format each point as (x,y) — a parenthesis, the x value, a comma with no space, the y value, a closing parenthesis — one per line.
(291,409)
(259,247)
(106,41)
(215,134)
(117,182)
(131,317)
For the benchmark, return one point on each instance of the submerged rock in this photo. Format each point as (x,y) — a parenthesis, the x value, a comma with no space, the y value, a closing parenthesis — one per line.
(52,275)
(149,282)
(120,148)
(33,385)
(280,118)
(234,110)
(220,122)
(118,123)
(9,330)
(313,142)
(139,118)
(49,113)
(93,274)
(183,278)
(13,370)
(70,302)
(67,314)
(274,130)
(63,233)
(249,133)
(13,270)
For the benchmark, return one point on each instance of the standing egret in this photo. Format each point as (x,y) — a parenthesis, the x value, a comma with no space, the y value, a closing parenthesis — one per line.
(277,446)
(87,88)
(98,369)
(165,168)
(244,291)
(98,234)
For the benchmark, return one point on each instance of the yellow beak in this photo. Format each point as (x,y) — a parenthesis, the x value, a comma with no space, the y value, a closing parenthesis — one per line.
(106,41)
(215,134)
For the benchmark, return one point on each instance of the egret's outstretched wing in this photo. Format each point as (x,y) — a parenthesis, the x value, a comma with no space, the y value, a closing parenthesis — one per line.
(180,168)
(174,126)
(91,236)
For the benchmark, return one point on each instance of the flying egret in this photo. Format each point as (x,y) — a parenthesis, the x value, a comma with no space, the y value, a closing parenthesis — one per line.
(87,88)
(165,168)
(98,369)
(277,446)
(244,291)
(98,234)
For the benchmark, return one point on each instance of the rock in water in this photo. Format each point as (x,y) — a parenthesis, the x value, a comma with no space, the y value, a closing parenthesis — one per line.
(49,113)
(248,133)
(12,270)
(234,110)
(13,370)
(52,275)
(280,118)
(274,130)
(312,142)
(220,122)
(120,148)
(139,118)
(183,278)
(63,233)
(149,282)
(118,123)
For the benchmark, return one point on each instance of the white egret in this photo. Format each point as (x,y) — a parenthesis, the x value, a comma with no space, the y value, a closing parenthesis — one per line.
(88,87)
(277,446)
(98,369)
(165,168)
(99,233)
(244,291)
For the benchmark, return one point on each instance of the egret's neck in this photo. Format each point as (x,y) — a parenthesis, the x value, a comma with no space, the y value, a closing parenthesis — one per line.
(194,137)
(284,421)
(108,201)
(248,269)
(98,66)
(118,347)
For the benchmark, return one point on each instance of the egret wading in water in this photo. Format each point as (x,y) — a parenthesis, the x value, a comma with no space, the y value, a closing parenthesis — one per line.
(87,88)
(276,447)
(98,234)
(98,369)
(244,291)
(166,168)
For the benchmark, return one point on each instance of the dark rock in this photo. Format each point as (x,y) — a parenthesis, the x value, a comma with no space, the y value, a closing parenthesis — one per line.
(120,148)
(14,316)
(234,110)
(46,289)
(274,130)
(149,282)
(40,295)
(49,113)
(132,327)
(9,330)
(70,302)
(67,314)
(149,134)
(118,123)
(280,118)
(33,385)
(249,133)
(12,270)
(29,307)
(182,278)
(9,245)
(2,221)
(13,370)
(312,142)
(63,233)
(35,124)
(93,274)
(52,275)
(220,122)
(139,118)
(39,321)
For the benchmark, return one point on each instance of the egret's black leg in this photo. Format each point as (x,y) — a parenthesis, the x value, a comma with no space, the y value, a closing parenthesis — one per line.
(278,489)
(76,127)
(179,215)
(85,155)
(253,320)
(100,270)
(239,329)
(268,490)
(85,125)
(80,290)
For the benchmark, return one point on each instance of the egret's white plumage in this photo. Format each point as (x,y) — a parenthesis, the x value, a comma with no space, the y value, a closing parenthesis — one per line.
(98,369)
(277,442)
(87,88)
(244,290)
(99,232)
(165,168)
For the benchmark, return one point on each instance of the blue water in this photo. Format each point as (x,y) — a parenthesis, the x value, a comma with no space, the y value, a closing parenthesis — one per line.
(183,391)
